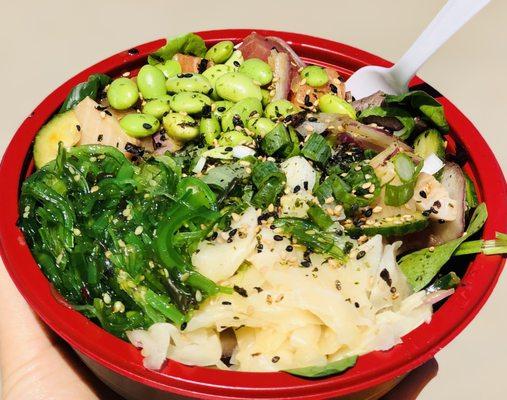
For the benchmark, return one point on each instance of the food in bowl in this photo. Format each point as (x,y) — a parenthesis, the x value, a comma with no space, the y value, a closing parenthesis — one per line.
(235,207)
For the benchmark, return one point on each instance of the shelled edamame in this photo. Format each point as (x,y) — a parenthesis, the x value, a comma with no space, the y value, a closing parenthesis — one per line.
(225,99)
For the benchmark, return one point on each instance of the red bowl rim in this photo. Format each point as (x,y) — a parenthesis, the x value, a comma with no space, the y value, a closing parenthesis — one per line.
(372,369)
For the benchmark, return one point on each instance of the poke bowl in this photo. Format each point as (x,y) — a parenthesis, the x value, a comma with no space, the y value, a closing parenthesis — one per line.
(121,366)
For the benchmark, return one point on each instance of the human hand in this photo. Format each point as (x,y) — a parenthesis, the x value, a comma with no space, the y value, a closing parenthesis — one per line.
(34,363)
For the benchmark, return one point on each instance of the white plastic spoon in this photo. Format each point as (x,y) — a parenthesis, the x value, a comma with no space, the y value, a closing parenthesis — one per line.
(394,80)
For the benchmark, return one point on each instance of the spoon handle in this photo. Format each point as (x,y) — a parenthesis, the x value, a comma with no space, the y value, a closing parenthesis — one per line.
(448,21)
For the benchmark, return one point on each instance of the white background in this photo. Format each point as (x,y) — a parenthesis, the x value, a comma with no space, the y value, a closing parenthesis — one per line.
(43,43)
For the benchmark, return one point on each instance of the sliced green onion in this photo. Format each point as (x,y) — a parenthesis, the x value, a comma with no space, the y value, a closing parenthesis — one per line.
(309,234)
(488,247)
(317,149)
(265,170)
(448,281)
(397,195)
(319,216)
(276,140)
(404,167)
(470,193)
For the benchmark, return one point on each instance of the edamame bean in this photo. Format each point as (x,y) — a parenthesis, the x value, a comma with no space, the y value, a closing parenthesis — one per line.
(139,125)
(234,138)
(266,97)
(220,108)
(188,83)
(239,113)
(236,59)
(215,72)
(331,103)
(157,107)
(169,68)
(315,76)
(235,86)
(210,129)
(180,127)
(122,93)
(280,109)
(220,52)
(191,103)
(258,70)
(151,82)
(260,126)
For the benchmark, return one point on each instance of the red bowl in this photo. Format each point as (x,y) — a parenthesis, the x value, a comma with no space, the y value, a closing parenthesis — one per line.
(120,365)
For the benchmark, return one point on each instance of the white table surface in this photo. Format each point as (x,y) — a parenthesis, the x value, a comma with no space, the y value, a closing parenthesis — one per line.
(43,43)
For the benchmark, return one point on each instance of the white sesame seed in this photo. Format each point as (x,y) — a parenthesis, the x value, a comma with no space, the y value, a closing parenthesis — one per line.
(118,307)
(107,298)
(93,189)
(138,230)
(76,232)
(198,295)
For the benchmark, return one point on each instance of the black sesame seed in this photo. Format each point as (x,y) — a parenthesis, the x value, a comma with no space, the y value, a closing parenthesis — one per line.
(307,253)
(356,304)
(100,137)
(386,277)
(133,51)
(426,213)
(108,113)
(297,188)
(338,285)
(202,65)
(306,263)
(393,290)
(183,326)
(437,204)
(368,212)
(278,238)
(241,291)
(272,227)
(423,194)
(289,248)
(347,247)
(147,126)
(260,246)
(221,109)
(214,235)
(187,75)
(259,289)
(78,127)
(226,303)
(441,221)
(232,232)
(305,185)
(275,359)
(308,103)
(360,255)
(312,119)
(229,240)
(228,148)
(236,63)
(333,88)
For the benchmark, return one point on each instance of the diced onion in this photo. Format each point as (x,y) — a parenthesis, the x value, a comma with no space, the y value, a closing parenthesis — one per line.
(199,165)
(242,151)
(432,164)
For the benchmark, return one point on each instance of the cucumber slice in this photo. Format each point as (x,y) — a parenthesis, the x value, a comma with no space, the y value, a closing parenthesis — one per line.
(429,142)
(390,226)
(61,128)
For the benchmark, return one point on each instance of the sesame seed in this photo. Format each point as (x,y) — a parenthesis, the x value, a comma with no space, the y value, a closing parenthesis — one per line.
(138,230)
(118,307)
(107,298)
